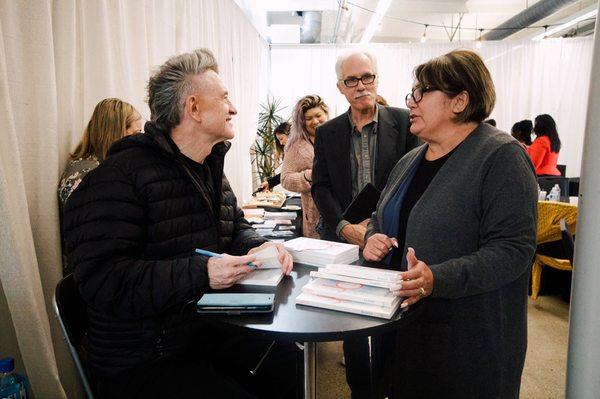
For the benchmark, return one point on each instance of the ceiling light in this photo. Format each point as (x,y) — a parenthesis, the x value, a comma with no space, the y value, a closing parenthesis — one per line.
(479,42)
(376,18)
(566,25)
(424,37)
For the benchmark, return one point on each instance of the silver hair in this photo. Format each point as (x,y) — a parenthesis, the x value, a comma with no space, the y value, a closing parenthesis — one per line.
(169,86)
(344,56)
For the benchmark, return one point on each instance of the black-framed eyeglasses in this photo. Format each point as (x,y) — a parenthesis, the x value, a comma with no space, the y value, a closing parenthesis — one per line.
(417,94)
(366,79)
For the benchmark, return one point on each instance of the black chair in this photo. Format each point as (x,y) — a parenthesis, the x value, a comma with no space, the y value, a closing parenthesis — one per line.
(573,186)
(562,169)
(567,240)
(70,311)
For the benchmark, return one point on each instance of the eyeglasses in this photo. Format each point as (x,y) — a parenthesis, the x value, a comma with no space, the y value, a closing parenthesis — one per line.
(417,94)
(365,79)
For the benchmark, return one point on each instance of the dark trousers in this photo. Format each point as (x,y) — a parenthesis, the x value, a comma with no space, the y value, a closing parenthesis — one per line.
(224,374)
(369,375)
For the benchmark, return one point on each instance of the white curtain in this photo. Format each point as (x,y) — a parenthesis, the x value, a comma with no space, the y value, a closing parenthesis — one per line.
(57,60)
(550,76)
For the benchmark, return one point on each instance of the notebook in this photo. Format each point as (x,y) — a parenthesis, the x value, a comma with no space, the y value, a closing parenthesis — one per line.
(363,205)
(235,303)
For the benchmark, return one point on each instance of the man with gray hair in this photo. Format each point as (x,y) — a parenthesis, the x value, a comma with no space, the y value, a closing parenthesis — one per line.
(356,149)
(131,229)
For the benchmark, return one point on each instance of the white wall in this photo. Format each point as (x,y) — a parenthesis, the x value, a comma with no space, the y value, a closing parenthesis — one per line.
(531,78)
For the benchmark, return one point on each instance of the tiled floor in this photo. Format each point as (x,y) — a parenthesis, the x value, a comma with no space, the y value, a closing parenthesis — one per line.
(545,365)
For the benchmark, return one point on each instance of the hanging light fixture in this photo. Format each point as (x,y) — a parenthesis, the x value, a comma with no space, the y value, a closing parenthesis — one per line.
(479,42)
(424,37)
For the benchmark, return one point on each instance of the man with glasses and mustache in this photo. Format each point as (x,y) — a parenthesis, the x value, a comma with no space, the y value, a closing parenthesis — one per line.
(352,150)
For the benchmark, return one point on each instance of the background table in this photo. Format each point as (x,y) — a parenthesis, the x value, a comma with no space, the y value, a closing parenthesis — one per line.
(299,323)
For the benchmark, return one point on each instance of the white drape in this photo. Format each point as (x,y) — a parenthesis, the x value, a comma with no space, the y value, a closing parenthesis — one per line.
(57,60)
(531,78)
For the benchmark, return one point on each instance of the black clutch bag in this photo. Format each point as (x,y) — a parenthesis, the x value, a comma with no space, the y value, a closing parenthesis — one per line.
(363,205)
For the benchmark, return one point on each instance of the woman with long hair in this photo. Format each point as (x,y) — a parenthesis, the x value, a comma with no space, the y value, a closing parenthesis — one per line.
(545,148)
(111,120)
(522,132)
(280,133)
(309,113)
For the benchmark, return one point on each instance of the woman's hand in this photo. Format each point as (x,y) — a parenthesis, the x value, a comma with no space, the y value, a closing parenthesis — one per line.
(378,246)
(416,283)
(263,186)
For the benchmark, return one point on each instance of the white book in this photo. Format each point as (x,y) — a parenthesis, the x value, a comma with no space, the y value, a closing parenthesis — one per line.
(351,291)
(269,258)
(338,277)
(265,277)
(280,215)
(370,273)
(320,252)
(346,306)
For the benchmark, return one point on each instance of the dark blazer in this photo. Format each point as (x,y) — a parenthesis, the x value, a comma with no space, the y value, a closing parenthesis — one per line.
(331,174)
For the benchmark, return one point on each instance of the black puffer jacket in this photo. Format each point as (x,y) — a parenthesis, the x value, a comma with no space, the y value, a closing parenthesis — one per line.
(131,228)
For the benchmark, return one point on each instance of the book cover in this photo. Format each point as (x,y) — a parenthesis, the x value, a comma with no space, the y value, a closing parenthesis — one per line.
(351,291)
(264,277)
(370,273)
(346,306)
(338,277)
(320,252)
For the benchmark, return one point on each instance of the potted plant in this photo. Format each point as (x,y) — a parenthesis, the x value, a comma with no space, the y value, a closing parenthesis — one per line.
(263,150)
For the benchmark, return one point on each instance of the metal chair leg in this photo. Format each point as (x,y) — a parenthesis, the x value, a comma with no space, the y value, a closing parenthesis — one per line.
(262,359)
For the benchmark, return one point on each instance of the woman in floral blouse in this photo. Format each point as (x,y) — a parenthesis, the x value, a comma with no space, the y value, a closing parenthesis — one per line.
(112,119)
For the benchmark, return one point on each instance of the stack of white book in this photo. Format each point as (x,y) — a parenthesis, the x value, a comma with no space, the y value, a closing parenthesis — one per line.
(315,252)
(353,289)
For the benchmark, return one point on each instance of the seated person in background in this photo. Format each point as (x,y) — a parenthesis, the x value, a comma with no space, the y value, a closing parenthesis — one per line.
(522,132)
(308,114)
(281,133)
(545,148)
(131,229)
(111,120)
(458,216)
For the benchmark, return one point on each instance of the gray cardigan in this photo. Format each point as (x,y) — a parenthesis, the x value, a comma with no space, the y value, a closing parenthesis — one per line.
(475,227)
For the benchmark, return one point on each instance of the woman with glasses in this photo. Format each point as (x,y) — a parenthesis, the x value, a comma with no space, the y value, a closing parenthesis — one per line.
(545,148)
(308,114)
(458,216)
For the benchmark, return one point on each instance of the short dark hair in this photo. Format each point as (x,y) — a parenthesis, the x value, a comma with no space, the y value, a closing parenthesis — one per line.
(522,131)
(546,126)
(458,71)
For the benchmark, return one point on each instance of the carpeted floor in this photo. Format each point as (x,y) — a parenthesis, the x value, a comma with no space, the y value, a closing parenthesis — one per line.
(545,366)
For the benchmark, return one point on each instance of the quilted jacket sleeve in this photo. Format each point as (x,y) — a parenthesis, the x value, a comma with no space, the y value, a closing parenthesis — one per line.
(105,227)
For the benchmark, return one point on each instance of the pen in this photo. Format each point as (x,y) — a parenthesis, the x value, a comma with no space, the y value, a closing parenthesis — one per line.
(216,255)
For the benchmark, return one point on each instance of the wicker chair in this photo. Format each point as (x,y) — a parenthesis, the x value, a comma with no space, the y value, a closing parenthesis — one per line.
(554,220)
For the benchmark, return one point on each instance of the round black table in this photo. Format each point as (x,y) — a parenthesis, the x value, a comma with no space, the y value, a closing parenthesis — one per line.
(299,323)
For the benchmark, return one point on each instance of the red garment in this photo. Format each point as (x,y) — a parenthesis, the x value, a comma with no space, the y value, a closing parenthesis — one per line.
(542,157)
